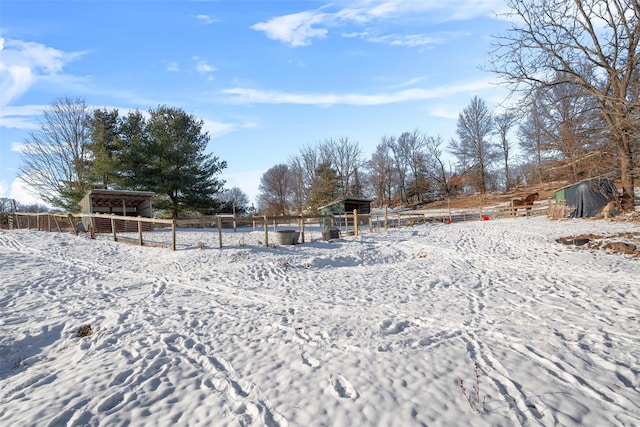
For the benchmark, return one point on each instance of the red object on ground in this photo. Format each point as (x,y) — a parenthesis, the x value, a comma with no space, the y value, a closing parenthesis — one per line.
(485,218)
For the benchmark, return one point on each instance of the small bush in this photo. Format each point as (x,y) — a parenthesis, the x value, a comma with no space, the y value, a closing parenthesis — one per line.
(478,405)
(85,331)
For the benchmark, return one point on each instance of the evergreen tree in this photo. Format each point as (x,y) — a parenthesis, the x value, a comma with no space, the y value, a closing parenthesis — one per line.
(325,187)
(165,154)
(176,164)
(106,147)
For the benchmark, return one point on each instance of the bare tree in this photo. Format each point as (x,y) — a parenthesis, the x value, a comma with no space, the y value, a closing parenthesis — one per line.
(275,190)
(574,127)
(381,170)
(303,169)
(555,39)
(532,134)
(401,161)
(435,165)
(234,201)
(345,158)
(504,122)
(299,192)
(56,158)
(411,145)
(475,125)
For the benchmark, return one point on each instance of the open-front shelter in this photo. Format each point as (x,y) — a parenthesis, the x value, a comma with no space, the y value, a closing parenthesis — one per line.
(347,205)
(114,202)
(336,210)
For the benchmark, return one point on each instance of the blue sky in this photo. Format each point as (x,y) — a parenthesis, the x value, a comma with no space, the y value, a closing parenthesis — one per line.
(267,77)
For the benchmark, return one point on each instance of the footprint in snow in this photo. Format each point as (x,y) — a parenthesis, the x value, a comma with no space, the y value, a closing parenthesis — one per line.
(309,360)
(342,387)
(388,328)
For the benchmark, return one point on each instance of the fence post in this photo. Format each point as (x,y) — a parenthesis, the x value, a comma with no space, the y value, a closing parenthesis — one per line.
(302,227)
(266,231)
(386,218)
(219,232)
(140,233)
(73,224)
(113,229)
(355,222)
(370,224)
(173,234)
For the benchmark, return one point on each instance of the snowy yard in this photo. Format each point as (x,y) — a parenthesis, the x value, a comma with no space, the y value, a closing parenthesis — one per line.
(375,330)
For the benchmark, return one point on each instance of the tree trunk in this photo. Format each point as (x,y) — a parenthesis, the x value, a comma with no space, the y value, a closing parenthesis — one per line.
(626,176)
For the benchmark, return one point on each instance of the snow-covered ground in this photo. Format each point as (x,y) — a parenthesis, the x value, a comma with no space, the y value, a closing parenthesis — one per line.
(375,330)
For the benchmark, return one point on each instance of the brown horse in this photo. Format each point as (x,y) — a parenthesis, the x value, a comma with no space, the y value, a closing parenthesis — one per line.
(527,202)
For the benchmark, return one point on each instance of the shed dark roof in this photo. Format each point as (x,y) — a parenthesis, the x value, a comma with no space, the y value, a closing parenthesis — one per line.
(601,177)
(347,200)
(116,197)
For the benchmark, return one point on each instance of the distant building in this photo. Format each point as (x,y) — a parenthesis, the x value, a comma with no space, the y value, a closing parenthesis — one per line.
(114,202)
(347,205)
(337,210)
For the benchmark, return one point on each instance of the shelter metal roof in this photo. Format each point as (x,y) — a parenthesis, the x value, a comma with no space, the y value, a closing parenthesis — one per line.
(115,198)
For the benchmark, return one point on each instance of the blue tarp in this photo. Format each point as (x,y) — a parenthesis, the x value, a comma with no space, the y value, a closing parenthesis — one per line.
(587,198)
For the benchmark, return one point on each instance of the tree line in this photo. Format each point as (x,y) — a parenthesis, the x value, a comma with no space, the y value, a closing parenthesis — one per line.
(78,149)
(573,70)
(559,137)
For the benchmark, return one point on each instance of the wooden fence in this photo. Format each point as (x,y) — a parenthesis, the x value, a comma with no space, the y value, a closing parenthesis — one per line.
(122,228)
(414,217)
(139,230)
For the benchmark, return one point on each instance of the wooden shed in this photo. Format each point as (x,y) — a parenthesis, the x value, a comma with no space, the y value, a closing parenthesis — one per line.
(114,202)
(336,211)
(347,205)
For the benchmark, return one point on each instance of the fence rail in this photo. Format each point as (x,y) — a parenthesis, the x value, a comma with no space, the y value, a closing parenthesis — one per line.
(260,230)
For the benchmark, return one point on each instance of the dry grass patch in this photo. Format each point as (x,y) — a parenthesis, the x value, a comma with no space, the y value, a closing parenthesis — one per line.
(627,243)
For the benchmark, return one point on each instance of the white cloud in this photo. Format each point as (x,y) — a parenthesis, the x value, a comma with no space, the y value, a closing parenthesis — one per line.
(299,29)
(217,129)
(202,66)
(407,40)
(249,125)
(173,66)
(207,19)
(411,82)
(22,117)
(23,64)
(24,194)
(30,148)
(444,112)
(255,96)
(19,147)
